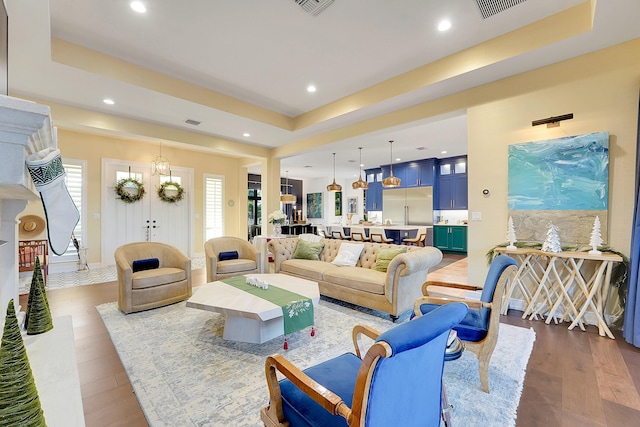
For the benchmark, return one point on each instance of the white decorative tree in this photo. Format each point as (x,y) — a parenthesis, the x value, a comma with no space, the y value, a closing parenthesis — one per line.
(511,235)
(552,244)
(596,237)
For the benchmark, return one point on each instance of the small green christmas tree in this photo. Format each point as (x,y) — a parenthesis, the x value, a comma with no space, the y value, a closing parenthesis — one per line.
(37,318)
(19,401)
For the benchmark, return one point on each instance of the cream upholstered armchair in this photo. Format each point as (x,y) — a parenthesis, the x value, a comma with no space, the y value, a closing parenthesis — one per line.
(150,275)
(230,256)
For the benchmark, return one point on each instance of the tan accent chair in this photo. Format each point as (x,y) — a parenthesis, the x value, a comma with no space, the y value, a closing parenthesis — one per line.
(146,289)
(248,261)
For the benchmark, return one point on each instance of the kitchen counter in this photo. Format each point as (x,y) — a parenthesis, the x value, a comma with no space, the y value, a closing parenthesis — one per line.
(395,232)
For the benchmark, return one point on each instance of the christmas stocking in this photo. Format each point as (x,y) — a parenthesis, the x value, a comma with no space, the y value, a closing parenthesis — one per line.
(62,215)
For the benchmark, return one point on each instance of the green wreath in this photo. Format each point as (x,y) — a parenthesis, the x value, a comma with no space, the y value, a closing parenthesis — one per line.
(125,190)
(170,198)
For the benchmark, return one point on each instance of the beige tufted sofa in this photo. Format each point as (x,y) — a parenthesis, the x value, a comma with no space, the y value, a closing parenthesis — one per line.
(142,290)
(393,292)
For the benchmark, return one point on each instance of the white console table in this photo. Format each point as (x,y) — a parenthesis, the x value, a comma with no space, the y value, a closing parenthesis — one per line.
(562,286)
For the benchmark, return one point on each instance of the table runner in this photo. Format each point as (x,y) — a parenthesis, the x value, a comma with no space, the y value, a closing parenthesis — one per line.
(297,310)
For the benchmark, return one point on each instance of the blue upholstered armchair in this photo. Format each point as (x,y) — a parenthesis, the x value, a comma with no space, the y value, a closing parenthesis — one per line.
(479,329)
(397,382)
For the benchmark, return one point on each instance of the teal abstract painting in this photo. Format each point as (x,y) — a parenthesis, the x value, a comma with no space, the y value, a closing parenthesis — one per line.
(570,173)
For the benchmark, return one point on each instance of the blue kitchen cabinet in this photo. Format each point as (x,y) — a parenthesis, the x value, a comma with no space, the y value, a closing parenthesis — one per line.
(452,187)
(374,196)
(453,193)
(420,173)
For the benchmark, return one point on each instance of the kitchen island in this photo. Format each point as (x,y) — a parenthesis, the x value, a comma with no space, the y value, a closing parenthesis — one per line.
(395,232)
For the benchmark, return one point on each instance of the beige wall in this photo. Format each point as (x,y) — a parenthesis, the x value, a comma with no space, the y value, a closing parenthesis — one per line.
(601,90)
(92,148)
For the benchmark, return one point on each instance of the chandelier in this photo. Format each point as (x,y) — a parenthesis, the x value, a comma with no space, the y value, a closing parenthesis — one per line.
(287,198)
(360,184)
(333,187)
(160,165)
(391,181)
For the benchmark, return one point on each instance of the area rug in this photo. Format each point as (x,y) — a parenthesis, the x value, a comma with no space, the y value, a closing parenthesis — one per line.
(185,374)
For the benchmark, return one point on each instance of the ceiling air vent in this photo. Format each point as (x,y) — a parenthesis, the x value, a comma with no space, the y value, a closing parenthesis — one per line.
(192,122)
(493,7)
(314,7)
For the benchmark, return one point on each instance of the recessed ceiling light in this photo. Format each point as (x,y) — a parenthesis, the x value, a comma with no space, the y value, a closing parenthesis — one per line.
(138,6)
(311,88)
(444,25)
(398,159)
(108,101)
(246,134)
(443,152)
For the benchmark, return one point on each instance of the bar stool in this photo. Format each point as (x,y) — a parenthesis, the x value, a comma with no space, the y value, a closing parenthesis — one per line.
(338,233)
(419,240)
(358,234)
(379,235)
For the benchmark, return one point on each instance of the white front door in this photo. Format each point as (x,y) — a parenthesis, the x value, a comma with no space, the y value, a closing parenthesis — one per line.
(147,220)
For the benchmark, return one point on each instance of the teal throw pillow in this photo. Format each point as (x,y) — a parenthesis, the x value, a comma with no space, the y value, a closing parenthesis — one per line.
(385,256)
(308,250)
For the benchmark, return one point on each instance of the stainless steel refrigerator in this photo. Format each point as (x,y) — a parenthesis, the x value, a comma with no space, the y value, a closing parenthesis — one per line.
(408,206)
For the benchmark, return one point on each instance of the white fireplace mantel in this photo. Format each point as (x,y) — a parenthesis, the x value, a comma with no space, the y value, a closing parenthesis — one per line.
(25,127)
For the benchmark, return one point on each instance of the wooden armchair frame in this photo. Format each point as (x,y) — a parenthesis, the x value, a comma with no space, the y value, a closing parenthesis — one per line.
(273,415)
(483,349)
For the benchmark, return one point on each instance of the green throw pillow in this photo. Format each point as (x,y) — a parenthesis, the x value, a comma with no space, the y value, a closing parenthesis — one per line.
(308,250)
(385,256)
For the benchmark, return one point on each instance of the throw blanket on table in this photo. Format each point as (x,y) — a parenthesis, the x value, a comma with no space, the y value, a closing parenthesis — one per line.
(297,310)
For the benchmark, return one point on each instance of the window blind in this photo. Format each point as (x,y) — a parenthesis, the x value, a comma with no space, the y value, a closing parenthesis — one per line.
(213,205)
(74,179)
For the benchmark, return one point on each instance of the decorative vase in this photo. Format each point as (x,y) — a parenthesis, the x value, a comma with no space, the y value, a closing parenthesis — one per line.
(277,229)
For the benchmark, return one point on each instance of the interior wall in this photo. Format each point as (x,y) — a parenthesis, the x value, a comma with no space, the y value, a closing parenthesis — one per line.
(92,148)
(319,185)
(603,96)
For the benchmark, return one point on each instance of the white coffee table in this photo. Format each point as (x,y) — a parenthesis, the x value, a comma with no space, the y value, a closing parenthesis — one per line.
(250,318)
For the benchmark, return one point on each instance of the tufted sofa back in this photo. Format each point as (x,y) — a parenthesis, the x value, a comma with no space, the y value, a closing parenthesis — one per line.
(284,249)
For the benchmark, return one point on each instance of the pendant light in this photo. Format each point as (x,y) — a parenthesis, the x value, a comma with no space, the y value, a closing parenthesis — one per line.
(333,187)
(160,165)
(360,184)
(287,198)
(391,181)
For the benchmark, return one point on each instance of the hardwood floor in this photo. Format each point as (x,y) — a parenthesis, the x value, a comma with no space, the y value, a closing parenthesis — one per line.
(574,378)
